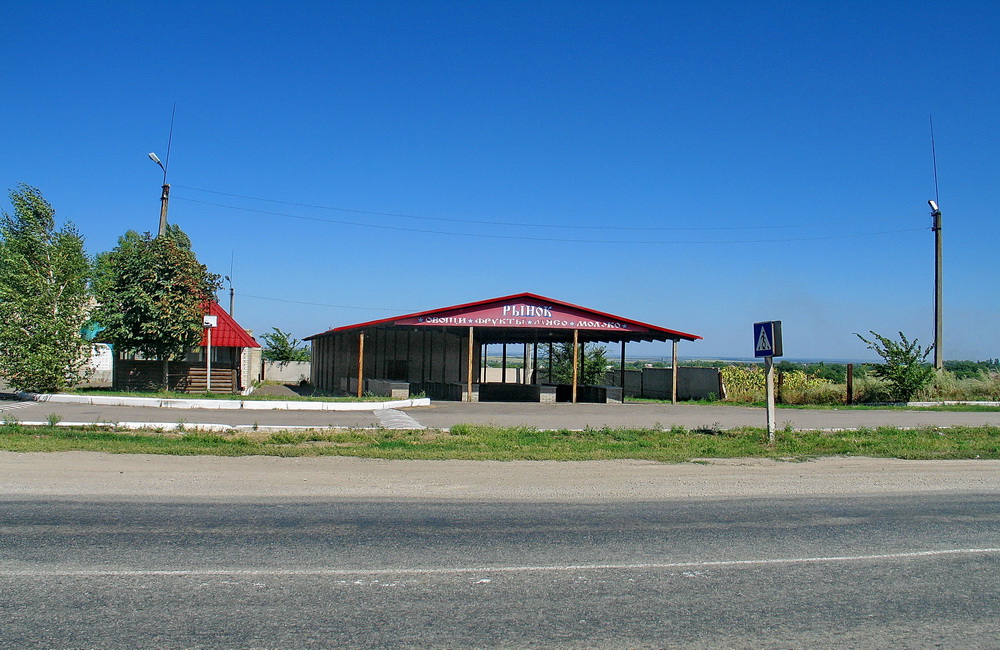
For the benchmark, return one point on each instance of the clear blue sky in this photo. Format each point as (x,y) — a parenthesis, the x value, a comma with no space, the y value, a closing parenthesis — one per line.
(698,166)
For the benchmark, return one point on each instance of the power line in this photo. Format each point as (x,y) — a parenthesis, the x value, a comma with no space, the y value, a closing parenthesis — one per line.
(488,222)
(552,239)
(323,304)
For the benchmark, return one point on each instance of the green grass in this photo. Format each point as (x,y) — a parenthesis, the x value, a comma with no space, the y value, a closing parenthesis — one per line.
(520,443)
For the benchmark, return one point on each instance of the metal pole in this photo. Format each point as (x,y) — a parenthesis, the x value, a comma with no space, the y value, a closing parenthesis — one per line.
(769,373)
(361,363)
(231,299)
(208,362)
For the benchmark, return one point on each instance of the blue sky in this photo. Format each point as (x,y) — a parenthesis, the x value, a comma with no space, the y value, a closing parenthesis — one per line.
(698,166)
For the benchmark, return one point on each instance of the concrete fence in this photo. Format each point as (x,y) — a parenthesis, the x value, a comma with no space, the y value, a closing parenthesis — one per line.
(286,372)
(657,383)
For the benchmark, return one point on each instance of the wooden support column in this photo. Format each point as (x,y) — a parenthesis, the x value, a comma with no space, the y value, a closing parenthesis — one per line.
(623,371)
(576,361)
(673,381)
(468,397)
(534,360)
(361,364)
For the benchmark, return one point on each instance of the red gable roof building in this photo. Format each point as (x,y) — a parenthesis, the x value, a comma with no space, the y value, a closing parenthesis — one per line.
(440,351)
(228,333)
(235,362)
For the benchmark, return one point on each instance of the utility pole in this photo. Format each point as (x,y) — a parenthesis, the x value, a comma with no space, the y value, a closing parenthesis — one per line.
(938,297)
(164,199)
(164,196)
(231,293)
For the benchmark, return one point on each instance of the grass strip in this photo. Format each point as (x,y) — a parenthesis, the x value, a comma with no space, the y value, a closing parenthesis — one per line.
(469,442)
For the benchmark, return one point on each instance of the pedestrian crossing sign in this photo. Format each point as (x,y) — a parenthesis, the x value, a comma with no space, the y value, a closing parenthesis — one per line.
(767,339)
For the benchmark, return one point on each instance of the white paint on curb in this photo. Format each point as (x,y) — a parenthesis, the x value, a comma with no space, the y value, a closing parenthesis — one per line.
(220,404)
(191,427)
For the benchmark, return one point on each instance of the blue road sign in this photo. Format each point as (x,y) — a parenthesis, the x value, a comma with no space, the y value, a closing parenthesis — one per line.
(767,339)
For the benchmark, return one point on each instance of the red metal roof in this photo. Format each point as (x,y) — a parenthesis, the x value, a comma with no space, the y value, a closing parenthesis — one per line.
(527,311)
(228,334)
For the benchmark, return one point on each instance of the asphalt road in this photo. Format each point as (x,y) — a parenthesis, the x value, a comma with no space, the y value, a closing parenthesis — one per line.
(546,416)
(859,571)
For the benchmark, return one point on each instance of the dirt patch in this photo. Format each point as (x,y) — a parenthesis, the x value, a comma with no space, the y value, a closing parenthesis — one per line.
(75,474)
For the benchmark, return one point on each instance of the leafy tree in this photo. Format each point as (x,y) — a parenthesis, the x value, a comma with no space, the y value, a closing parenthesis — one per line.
(282,348)
(152,294)
(904,367)
(968,369)
(590,371)
(43,297)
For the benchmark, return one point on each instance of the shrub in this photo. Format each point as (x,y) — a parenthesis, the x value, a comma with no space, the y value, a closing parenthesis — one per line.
(904,369)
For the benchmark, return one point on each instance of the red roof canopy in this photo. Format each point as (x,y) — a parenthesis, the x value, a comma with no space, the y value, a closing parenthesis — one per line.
(228,334)
(524,317)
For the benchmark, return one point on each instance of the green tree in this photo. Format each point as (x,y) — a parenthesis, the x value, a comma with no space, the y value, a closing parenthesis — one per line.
(904,368)
(152,294)
(43,297)
(281,347)
(590,372)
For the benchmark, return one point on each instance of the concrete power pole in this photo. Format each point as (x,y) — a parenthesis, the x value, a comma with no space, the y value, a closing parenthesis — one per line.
(164,197)
(938,297)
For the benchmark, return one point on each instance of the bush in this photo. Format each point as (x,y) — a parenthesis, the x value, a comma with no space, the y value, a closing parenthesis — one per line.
(904,370)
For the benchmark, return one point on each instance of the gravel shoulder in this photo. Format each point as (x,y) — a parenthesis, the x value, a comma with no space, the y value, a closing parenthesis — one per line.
(87,474)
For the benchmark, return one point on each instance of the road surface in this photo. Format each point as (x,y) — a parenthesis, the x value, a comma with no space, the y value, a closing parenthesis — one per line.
(119,551)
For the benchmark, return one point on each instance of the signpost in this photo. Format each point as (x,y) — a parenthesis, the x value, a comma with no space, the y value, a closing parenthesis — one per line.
(767,344)
(209,321)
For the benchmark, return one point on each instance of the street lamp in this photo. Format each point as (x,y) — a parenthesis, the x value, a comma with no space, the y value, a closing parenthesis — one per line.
(231,293)
(938,299)
(164,197)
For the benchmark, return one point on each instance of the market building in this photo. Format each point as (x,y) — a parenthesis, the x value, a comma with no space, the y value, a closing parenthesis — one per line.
(441,352)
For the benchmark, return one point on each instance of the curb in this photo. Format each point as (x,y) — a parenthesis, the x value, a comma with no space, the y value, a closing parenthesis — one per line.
(188,427)
(222,404)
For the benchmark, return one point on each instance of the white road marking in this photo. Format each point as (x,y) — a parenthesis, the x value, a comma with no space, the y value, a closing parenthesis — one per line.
(393,419)
(10,406)
(700,564)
